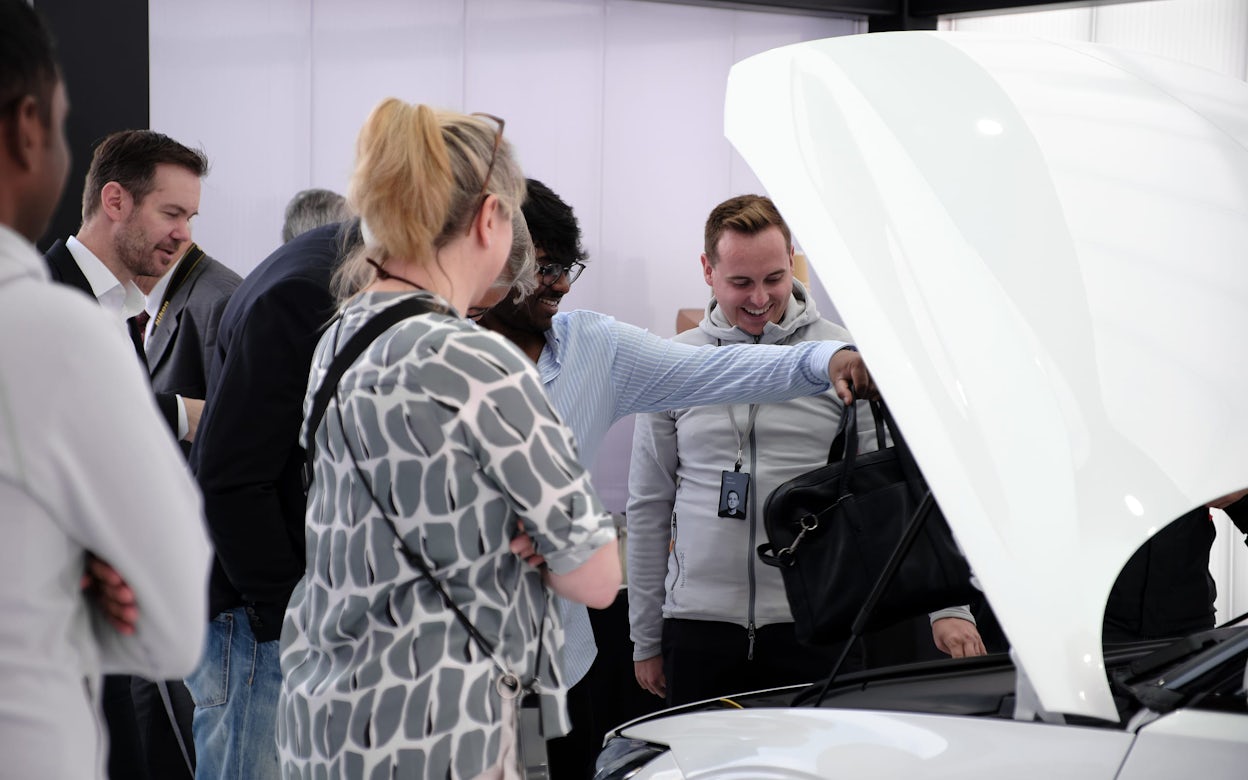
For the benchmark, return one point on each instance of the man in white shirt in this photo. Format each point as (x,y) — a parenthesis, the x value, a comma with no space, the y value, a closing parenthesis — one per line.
(72,400)
(142,191)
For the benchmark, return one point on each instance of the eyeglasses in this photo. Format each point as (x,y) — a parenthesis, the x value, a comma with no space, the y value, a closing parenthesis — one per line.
(551,272)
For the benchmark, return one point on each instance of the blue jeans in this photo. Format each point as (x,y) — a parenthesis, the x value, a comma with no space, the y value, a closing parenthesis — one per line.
(235,690)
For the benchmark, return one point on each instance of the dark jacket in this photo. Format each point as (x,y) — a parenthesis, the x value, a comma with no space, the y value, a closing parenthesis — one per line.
(184,337)
(1165,589)
(64,269)
(246,455)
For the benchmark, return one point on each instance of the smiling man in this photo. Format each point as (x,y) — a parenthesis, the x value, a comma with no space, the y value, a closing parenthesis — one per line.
(706,619)
(141,192)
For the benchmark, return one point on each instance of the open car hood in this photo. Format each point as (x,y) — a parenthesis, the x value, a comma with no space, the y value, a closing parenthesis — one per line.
(1040,249)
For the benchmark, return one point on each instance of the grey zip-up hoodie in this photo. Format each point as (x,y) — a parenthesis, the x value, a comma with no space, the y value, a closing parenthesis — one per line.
(684,561)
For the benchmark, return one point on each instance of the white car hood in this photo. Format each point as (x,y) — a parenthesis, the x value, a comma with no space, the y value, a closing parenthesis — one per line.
(1040,250)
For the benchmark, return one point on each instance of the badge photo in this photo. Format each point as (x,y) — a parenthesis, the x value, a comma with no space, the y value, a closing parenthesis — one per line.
(734,489)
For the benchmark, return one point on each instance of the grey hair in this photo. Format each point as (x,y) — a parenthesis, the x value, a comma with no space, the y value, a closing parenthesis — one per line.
(312,208)
(520,272)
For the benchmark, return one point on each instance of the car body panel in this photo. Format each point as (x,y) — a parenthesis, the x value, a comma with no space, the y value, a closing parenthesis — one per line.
(1173,746)
(826,743)
(1039,249)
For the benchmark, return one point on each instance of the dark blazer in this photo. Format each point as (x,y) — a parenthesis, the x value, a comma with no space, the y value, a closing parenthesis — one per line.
(184,335)
(246,454)
(64,269)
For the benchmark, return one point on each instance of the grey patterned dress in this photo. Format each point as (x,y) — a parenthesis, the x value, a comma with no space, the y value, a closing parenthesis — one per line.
(452,428)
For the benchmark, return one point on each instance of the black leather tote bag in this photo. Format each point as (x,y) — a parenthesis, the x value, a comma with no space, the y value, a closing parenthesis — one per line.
(833,531)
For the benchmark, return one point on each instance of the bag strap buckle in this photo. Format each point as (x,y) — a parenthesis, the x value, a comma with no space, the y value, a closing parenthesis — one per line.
(508,686)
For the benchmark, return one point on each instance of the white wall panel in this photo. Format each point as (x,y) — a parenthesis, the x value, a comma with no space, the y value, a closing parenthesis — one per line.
(539,65)
(1065,23)
(666,160)
(367,50)
(1209,33)
(233,77)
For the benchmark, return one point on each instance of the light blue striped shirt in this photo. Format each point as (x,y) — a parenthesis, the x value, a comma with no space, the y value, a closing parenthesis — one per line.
(598,370)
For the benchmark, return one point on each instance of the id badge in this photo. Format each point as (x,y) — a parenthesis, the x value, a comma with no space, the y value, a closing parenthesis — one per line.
(734,490)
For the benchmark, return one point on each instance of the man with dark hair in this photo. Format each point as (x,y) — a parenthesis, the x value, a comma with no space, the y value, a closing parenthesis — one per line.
(598,370)
(73,399)
(313,208)
(142,191)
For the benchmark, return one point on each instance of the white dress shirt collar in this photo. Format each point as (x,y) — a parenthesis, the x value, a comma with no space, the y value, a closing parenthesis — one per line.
(123,300)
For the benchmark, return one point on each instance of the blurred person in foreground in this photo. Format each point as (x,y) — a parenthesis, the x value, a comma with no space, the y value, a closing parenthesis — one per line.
(72,397)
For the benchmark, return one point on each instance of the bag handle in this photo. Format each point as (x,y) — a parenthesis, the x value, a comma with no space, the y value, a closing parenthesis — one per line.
(905,458)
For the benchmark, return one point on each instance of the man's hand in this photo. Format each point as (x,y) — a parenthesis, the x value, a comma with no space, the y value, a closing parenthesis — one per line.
(110,594)
(957,637)
(522,545)
(194,409)
(650,675)
(850,378)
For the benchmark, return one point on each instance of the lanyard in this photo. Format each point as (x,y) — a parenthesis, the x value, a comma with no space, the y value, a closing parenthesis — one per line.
(742,436)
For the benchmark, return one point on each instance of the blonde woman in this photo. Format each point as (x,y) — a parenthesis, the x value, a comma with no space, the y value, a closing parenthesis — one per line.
(438,450)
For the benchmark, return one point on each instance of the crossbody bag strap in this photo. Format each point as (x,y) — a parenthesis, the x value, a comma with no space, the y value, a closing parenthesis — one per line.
(380,322)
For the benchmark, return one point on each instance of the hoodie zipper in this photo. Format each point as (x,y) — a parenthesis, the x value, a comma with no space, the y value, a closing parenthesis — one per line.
(749,556)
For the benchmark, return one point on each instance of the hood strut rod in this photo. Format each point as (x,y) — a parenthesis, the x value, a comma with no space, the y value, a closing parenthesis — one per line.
(877,591)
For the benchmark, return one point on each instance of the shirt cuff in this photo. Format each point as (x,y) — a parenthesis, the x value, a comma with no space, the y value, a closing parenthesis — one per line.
(570,558)
(963,612)
(818,358)
(184,427)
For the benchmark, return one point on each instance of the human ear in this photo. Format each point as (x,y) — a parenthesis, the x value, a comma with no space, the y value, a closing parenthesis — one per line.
(707,270)
(115,201)
(25,136)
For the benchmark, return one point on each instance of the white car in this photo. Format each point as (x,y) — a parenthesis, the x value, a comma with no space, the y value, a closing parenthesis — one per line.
(1042,251)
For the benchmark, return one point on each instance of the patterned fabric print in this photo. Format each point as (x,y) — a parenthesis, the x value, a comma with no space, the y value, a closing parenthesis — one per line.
(457,439)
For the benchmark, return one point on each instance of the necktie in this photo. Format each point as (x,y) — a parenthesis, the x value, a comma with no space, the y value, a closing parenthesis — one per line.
(139,323)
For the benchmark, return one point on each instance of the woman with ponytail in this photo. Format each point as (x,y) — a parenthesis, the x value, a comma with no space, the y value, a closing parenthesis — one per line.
(447,501)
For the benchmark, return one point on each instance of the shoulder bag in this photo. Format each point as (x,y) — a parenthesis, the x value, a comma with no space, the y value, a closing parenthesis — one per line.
(838,531)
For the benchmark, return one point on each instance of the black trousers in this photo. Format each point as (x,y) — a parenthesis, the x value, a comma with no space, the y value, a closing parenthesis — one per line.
(705,659)
(608,696)
(125,749)
(161,749)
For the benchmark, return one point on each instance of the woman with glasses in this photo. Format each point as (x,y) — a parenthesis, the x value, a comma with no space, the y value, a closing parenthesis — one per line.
(438,451)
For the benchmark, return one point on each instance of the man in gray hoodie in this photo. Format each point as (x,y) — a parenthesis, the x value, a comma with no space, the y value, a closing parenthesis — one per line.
(706,618)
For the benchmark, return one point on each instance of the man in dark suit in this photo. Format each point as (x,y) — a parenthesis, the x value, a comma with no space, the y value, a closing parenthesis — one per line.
(248,462)
(141,192)
(183,309)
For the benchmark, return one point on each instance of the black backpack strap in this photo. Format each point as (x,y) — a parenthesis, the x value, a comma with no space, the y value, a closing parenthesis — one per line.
(351,351)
